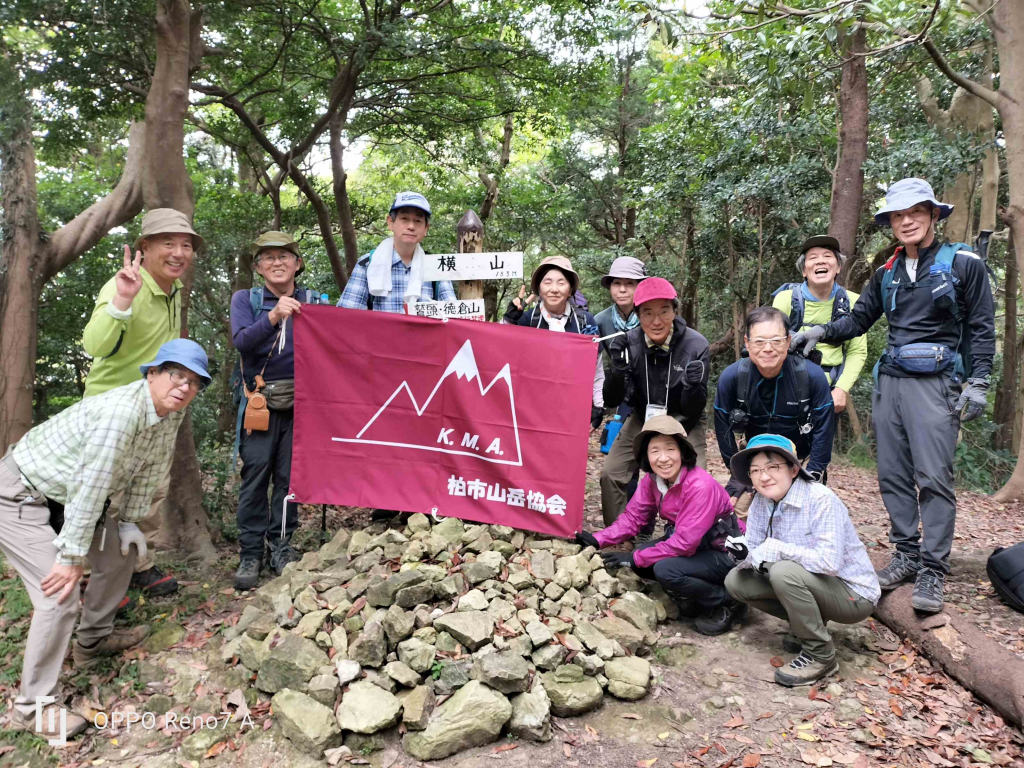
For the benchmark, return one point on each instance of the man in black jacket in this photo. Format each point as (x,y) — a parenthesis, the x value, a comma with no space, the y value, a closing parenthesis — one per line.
(937,299)
(773,392)
(660,367)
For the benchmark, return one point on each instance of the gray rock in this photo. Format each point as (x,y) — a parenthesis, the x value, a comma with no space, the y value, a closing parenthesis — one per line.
(553,591)
(590,663)
(417,707)
(571,699)
(638,609)
(306,601)
(549,656)
(520,579)
(368,709)
(410,597)
(604,582)
(472,628)
(339,639)
(402,674)
(252,653)
(451,528)
(196,746)
(383,593)
(481,543)
(365,743)
(474,716)
(285,614)
(542,564)
(628,677)
(505,672)
(398,624)
(389,536)
(531,715)
(595,640)
(306,722)
(418,523)
(473,600)
(502,532)
(539,633)
(449,587)
(426,634)
(413,552)
(370,648)
(310,624)
(569,673)
(418,655)
(476,572)
(290,664)
(347,670)
(324,688)
(336,548)
(619,630)
(454,675)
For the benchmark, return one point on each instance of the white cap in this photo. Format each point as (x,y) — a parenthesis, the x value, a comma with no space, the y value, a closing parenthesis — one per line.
(410,200)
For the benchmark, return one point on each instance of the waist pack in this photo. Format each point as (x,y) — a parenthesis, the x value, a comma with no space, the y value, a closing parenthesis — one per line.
(921,359)
(280,394)
(1006,572)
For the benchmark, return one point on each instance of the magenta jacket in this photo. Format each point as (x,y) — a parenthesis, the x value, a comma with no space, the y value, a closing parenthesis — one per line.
(692,505)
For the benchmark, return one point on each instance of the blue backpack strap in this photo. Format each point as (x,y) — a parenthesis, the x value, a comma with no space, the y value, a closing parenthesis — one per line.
(796,308)
(888,292)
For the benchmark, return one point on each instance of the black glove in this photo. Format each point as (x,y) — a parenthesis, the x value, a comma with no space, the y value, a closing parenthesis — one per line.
(587,540)
(596,416)
(618,353)
(973,399)
(695,371)
(735,488)
(617,559)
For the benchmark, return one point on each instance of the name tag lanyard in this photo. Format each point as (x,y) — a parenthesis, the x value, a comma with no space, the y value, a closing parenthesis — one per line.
(657,410)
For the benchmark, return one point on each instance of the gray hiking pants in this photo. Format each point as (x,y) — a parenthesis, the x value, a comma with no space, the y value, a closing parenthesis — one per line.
(916,426)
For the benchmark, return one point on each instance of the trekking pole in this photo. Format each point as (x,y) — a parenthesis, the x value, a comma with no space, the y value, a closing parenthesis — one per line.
(323,524)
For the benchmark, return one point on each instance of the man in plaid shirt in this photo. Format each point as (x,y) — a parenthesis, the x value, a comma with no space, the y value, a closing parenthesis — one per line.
(58,479)
(801,559)
(387,279)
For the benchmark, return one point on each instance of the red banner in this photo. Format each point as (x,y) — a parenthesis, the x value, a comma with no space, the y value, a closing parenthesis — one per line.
(481,421)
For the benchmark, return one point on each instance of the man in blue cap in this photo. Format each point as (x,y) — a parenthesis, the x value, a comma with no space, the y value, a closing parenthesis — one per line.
(392,276)
(55,487)
(937,299)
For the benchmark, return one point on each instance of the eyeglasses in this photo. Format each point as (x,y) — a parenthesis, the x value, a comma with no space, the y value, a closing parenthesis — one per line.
(776,343)
(771,469)
(180,379)
(269,258)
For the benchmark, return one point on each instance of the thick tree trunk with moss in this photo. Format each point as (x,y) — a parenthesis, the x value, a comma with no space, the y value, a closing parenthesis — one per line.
(848,178)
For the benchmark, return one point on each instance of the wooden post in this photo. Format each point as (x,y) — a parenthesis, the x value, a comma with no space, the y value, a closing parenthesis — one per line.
(471,240)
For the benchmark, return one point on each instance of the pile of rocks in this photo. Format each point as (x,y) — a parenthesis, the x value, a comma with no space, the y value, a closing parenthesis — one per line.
(456,631)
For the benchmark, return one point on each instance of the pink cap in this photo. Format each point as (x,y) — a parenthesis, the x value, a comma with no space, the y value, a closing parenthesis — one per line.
(654,288)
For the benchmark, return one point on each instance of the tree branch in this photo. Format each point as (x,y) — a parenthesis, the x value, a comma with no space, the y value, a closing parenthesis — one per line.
(986,94)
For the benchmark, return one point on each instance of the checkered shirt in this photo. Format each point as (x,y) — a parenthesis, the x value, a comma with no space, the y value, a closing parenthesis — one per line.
(357,290)
(100,445)
(812,527)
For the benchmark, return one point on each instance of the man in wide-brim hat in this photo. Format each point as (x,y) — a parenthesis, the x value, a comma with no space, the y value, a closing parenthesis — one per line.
(938,301)
(136,312)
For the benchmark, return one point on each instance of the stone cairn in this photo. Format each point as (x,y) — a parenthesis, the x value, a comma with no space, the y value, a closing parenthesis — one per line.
(458,632)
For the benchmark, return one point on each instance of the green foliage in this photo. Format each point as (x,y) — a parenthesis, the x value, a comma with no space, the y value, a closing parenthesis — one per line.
(16,610)
(436,669)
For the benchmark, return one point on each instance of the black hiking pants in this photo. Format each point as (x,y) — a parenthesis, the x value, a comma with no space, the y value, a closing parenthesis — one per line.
(266,456)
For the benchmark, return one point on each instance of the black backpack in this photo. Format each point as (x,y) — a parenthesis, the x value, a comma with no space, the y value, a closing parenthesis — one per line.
(740,415)
(1006,572)
(840,308)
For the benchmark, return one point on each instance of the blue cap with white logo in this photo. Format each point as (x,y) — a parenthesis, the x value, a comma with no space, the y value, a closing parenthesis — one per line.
(410,200)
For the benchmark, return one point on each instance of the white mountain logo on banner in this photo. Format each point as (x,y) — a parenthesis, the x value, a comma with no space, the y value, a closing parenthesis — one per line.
(474,421)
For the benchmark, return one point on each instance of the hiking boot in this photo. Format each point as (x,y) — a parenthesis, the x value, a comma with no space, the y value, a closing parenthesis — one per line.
(125,607)
(803,670)
(791,643)
(902,568)
(73,725)
(248,573)
(154,582)
(928,590)
(121,639)
(719,620)
(689,609)
(281,553)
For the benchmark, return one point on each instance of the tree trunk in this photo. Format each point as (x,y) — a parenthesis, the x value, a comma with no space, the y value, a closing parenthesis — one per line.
(969,656)
(736,335)
(689,300)
(1006,395)
(848,179)
(167,185)
(341,199)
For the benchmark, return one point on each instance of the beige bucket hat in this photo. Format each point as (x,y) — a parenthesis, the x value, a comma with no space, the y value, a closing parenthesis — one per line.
(555,262)
(274,239)
(162,220)
(660,425)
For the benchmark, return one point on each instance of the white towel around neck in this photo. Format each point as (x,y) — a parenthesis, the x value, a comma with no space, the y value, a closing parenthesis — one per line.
(378,272)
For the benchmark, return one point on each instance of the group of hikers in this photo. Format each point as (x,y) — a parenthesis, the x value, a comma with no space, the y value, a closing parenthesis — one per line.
(84,488)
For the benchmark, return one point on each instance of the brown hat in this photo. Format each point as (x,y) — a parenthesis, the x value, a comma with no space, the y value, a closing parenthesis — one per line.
(274,239)
(160,221)
(624,267)
(661,425)
(560,263)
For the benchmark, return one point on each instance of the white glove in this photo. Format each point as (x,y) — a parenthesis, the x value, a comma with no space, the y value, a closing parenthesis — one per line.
(737,547)
(129,534)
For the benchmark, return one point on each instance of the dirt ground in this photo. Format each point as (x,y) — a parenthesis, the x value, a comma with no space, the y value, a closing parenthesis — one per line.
(714,702)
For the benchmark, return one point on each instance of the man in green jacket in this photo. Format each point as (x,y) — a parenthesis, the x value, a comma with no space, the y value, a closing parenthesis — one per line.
(818,300)
(137,311)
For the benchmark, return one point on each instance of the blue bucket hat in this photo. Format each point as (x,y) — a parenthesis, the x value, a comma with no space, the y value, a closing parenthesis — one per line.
(410,200)
(740,462)
(906,193)
(185,353)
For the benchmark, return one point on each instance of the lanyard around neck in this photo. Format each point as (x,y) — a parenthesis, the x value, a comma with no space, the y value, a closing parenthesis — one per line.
(668,379)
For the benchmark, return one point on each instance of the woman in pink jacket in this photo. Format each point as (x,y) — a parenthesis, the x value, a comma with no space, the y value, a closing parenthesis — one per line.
(689,561)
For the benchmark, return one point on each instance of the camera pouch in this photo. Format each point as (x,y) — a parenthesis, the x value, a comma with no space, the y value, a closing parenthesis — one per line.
(257,415)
